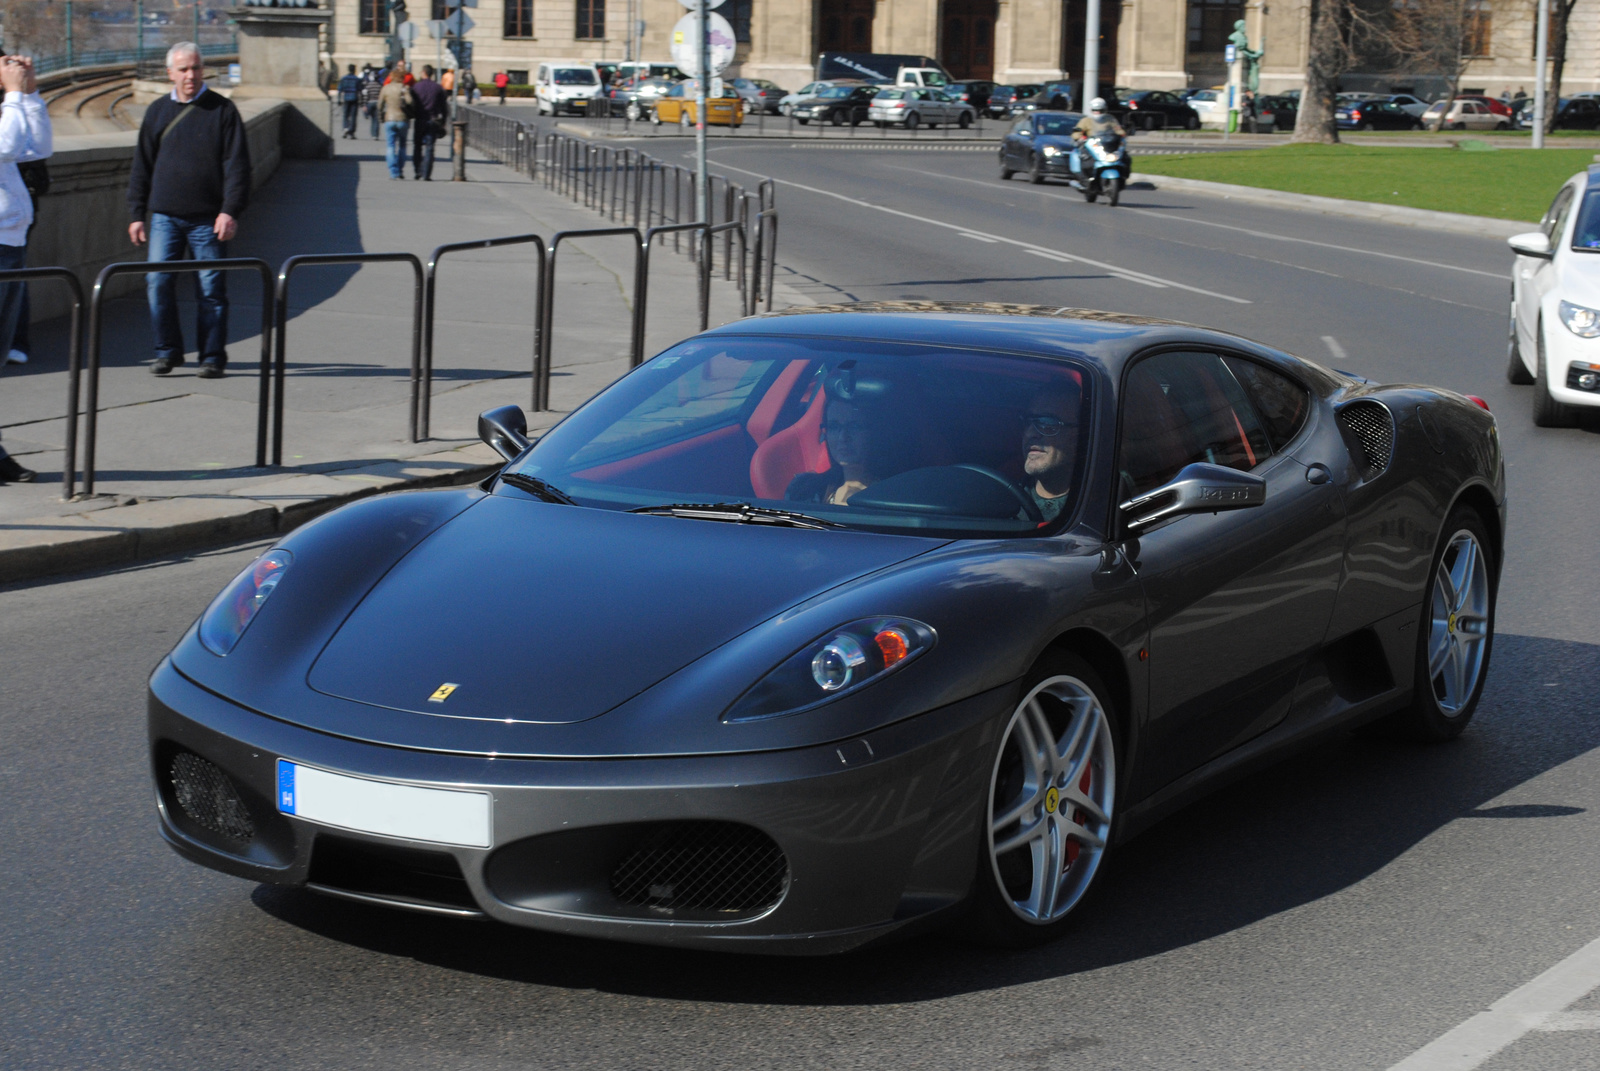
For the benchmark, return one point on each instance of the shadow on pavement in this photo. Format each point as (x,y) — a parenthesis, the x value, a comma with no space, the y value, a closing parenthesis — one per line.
(1316,824)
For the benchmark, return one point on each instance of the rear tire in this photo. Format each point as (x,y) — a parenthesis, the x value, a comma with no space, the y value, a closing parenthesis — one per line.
(965,121)
(1502,125)
(1547,412)
(912,121)
(1028,892)
(1192,123)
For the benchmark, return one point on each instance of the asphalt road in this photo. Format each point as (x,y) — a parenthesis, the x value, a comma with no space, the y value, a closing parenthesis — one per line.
(1340,911)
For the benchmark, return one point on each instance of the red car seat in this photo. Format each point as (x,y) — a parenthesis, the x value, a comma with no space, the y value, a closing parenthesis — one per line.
(786,454)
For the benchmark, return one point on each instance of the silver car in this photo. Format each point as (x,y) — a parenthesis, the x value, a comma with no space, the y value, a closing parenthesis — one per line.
(910,107)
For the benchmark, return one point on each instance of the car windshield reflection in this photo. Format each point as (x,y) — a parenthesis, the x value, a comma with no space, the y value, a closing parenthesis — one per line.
(868,435)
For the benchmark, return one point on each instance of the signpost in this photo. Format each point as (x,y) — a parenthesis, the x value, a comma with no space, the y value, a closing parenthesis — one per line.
(702,46)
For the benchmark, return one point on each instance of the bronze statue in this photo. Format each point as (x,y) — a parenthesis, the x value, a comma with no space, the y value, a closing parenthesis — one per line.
(1249,58)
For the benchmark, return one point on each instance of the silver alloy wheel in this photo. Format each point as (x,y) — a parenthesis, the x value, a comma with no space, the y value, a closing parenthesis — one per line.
(1050,799)
(1458,623)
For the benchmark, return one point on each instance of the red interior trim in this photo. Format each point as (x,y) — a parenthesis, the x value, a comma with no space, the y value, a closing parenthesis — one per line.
(761,421)
(633,464)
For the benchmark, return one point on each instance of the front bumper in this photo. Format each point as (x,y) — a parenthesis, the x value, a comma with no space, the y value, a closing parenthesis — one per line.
(1563,349)
(877,834)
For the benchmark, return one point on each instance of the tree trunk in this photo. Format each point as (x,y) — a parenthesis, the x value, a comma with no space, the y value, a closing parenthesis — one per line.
(1560,13)
(1324,61)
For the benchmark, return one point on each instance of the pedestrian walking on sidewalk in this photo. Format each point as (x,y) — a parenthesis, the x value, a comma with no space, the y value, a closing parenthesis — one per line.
(469,85)
(433,108)
(24,135)
(36,177)
(191,176)
(501,80)
(371,86)
(397,103)
(350,99)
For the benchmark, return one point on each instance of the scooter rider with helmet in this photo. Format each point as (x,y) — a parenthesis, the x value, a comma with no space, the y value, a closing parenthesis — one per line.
(1098,121)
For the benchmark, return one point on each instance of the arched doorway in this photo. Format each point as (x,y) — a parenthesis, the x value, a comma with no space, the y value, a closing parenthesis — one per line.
(966,38)
(1072,29)
(845,25)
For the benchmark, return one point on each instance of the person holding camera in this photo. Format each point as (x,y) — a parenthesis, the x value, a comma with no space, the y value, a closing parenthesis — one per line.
(24,135)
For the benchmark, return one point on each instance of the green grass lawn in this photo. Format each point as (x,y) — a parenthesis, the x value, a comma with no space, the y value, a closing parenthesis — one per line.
(1505,183)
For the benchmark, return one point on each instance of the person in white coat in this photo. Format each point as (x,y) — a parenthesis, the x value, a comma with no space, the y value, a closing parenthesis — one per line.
(24,135)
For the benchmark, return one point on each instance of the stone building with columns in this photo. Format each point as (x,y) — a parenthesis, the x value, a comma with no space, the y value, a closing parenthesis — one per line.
(1149,44)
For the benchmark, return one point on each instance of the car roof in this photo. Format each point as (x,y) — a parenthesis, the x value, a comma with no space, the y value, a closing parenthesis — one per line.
(1108,339)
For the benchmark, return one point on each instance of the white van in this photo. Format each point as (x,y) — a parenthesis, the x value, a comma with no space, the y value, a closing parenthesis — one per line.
(566,86)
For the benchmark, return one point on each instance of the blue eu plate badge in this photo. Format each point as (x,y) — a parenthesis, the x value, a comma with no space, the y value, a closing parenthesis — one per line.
(285,786)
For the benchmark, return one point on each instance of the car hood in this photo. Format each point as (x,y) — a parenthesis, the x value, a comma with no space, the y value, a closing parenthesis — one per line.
(545,613)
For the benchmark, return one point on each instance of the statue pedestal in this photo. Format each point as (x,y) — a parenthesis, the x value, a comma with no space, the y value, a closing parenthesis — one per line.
(278,59)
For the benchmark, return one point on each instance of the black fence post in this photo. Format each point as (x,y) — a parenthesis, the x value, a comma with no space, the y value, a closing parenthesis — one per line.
(541,378)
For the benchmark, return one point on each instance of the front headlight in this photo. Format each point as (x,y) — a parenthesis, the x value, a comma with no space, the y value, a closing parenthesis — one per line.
(1051,150)
(845,660)
(1583,322)
(231,612)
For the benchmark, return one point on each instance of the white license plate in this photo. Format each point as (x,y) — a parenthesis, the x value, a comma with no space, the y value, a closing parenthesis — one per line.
(439,815)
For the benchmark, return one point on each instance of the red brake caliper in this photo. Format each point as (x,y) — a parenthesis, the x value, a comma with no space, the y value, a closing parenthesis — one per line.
(1079,817)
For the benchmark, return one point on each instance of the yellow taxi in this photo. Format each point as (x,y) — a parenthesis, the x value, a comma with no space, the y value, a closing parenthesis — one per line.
(677,105)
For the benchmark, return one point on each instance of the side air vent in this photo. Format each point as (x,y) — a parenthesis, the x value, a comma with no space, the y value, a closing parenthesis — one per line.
(208,798)
(1368,429)
(720,867)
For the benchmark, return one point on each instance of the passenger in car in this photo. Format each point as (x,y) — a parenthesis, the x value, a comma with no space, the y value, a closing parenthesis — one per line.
(1050,446)
(848,432)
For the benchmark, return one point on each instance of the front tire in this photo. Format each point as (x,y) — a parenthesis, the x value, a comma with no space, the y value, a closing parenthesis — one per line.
(1114,194)
(1547,412)
(1192,123)
(1050,801)
(655,117)
(1457,630)
(1036,172)
(684,122)
(1516,368)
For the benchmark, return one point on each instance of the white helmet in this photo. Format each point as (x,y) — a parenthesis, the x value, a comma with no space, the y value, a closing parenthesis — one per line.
(1098,104)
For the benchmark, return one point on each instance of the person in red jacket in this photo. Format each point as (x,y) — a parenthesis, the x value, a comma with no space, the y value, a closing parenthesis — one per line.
(501,80)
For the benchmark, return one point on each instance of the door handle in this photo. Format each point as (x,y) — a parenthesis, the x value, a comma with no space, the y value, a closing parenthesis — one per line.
(1318,473)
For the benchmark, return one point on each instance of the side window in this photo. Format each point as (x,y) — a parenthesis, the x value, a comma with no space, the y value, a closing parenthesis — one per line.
(1557,216)
(1022,126)
(1181,408)
(1281,404)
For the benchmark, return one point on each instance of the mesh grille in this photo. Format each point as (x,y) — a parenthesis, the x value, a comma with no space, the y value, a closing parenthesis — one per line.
(208,798)
(702,866)
(1370,425)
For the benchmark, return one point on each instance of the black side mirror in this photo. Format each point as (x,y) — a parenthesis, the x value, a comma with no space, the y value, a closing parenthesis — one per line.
(1198,488)
(505,429)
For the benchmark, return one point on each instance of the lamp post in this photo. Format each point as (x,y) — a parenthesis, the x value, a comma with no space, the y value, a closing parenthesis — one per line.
(1541,61)
(702,198)
(1091,54)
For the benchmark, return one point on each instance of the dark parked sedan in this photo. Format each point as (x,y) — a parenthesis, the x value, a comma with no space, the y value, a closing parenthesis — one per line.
(1004,97)
(1375,115)
(837,105)
(1038,144)
(836,623)
(1156,109)
(976,94)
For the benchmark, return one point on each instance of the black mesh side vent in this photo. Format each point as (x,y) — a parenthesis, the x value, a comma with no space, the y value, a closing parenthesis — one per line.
(702,866)
(208,798)
(1370,430)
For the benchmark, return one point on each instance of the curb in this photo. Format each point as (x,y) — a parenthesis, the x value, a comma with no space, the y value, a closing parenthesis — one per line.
(115,535)
(1454,222)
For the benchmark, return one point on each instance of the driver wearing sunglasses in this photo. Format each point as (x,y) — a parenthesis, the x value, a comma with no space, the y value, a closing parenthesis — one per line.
(1050,447)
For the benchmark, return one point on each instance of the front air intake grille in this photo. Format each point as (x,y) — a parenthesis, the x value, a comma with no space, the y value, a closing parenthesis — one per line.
(208,799)
(702,866)
(1369,429)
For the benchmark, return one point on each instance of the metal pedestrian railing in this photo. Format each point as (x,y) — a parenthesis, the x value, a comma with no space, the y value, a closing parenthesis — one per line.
(281,306)
(74,359)
(153,267)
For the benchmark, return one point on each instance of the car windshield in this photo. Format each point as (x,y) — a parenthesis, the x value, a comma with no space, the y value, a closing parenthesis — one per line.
(879,436)
(834,92)
(1586,232)
(1054,124)
(575,76)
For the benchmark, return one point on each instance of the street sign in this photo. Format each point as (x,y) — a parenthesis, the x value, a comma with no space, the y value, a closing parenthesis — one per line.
(408,33)
(694,5)
(1230,53)
(438,28)
(686,44)
(462,3)
(717,87)
(460,22)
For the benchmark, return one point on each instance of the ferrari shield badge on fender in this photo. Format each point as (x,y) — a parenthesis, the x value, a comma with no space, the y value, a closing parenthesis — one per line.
(441,693)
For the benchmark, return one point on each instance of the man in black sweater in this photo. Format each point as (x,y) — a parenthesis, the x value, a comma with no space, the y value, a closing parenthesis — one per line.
(191,176)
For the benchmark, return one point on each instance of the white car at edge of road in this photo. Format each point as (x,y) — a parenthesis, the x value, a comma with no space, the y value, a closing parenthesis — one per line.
(1555,305)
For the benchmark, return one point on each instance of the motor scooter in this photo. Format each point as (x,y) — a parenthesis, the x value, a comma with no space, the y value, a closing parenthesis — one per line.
(1101,165)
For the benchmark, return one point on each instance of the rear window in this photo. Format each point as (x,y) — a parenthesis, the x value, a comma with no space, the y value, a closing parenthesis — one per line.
(892,94)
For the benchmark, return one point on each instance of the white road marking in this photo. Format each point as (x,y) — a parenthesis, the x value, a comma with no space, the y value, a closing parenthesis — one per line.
(977,237)
(1241,230)
(1578,1020)
(1068,259)
(1334,348)
(1127,273)
(1529,1007)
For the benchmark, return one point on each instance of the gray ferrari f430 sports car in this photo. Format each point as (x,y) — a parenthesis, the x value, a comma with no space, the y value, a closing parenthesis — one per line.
(828,625)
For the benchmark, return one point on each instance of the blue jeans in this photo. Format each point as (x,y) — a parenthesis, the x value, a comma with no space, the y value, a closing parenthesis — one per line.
(373,113)
(170,239)
(422,153)
(395,152)
(12,257)
(351,108)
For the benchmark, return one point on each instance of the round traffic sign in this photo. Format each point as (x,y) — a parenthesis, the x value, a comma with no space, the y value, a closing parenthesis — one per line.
(686,43)
(694,5)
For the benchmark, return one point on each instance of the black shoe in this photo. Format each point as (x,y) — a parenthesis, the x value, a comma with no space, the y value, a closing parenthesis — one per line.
(11,472)
(164,365)
(211,369)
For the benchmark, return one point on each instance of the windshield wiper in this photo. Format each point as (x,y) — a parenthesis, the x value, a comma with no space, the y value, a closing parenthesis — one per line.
(737,513)
(537,487)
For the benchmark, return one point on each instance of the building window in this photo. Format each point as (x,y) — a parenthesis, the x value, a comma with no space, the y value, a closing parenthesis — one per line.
(1476,20)
(738,13)
(441,9)
(591,20)
(519,18)
(1210,23)
(374,16)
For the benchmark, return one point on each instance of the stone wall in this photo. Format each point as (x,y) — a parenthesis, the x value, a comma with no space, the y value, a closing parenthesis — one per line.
(83,220)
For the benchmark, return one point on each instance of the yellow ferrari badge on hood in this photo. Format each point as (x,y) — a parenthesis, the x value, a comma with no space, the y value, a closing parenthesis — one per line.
(441,693)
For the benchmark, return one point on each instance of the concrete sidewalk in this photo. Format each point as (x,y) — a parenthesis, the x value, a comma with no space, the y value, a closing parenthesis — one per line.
(175,454)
